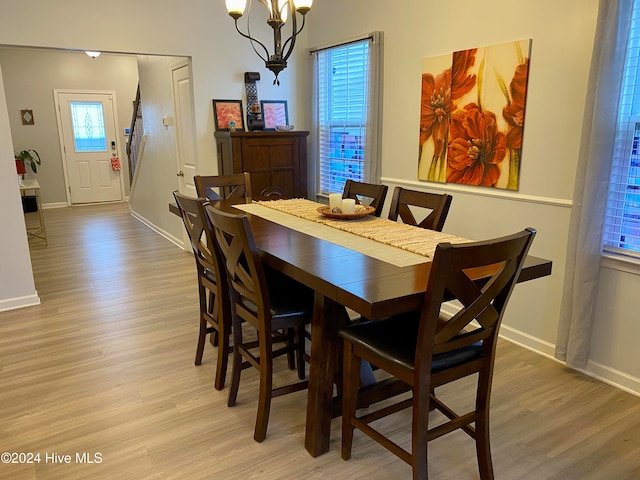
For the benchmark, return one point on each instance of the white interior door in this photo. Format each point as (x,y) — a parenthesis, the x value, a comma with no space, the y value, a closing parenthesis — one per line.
(88,135)
(183,106)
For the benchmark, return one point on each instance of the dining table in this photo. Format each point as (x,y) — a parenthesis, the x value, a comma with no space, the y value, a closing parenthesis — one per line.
(341,275)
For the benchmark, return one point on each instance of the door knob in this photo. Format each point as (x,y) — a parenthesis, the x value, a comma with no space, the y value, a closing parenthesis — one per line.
(180,173)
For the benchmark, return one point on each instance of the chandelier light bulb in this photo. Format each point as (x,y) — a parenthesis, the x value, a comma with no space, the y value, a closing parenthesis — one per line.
(303,6)
(236,7)
(283,9)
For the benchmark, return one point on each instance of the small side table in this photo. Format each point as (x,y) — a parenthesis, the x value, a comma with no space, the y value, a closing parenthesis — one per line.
(40,230)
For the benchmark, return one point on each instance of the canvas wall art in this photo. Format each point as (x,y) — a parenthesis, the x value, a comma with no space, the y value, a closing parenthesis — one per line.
(227,115)
(274,113)
(472,116)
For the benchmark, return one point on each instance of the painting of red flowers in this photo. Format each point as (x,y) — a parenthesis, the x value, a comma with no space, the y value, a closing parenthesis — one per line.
(477,148)
(472,116)
(435,108)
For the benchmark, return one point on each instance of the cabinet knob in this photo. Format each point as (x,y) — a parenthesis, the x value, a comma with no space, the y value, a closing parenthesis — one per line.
(180,173)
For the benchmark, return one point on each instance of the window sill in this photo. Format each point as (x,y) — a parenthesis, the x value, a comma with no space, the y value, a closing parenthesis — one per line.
(622,263)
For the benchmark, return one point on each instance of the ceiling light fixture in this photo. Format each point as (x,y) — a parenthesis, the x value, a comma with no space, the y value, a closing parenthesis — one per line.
(278,12)
(92,54)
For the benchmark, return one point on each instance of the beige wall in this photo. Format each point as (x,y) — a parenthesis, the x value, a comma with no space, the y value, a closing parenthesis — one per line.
(16,280)
(157,167)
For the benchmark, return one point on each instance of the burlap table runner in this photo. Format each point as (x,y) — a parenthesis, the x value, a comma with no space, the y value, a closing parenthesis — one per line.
(418,241)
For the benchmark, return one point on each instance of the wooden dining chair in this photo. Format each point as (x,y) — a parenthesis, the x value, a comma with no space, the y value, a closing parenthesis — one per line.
(217,187)
(274,307)
(360,191)
(426,350)
(437,204)
(213,292)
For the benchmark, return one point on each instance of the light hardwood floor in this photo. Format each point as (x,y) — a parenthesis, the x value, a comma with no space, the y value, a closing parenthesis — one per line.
(105,366)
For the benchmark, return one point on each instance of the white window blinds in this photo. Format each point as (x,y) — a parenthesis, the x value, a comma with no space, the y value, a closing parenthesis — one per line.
(622,222)
(346,114)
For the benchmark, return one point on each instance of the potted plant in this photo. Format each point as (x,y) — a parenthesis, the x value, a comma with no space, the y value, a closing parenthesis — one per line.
(27,157)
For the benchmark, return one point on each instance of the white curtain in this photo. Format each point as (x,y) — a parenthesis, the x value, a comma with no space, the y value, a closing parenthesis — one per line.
(373,147)
(591,184)
(313,173)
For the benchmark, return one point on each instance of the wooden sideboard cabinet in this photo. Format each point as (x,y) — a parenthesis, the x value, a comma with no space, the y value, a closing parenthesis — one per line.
(277,161)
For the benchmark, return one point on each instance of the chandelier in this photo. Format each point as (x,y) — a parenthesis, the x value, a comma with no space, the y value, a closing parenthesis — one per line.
(278,13)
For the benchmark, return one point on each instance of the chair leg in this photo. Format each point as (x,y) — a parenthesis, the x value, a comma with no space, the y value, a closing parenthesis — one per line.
(211,304)
(264,396)
(202,337)
(236,368)
(351,383)
(223,357)
(483,440)
(483,447)
(291,341)
(300,340)
(419,430)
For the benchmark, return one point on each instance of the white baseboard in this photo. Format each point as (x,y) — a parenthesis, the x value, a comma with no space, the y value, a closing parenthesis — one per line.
(528,341)
(613,377)
(600,372)
(19,302)
(177,241)
(46,206)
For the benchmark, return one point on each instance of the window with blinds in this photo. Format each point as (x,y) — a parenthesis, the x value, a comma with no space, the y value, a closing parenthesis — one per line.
(622,222)
(343,83)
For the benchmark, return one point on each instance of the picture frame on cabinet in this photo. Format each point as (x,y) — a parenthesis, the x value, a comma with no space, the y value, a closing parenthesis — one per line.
(228,115)
(274,113)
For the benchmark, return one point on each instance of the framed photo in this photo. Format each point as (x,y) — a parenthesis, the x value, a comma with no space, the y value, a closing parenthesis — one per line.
(226,111)
(27,117)
(274,113)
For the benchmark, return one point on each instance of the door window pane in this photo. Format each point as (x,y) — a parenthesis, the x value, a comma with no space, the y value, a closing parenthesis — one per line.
(89,133)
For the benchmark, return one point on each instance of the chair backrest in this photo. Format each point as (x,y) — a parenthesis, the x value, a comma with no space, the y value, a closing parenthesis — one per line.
(357,190)
(481,276)
(226,186)
(193,217)
(247,281)
(438,204)
(272,191)
(200,235)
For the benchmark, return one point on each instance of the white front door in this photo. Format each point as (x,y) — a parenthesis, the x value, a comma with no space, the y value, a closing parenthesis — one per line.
(89,143)
(185,138)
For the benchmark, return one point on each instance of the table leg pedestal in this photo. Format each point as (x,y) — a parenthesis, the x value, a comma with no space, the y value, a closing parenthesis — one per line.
(328,318)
